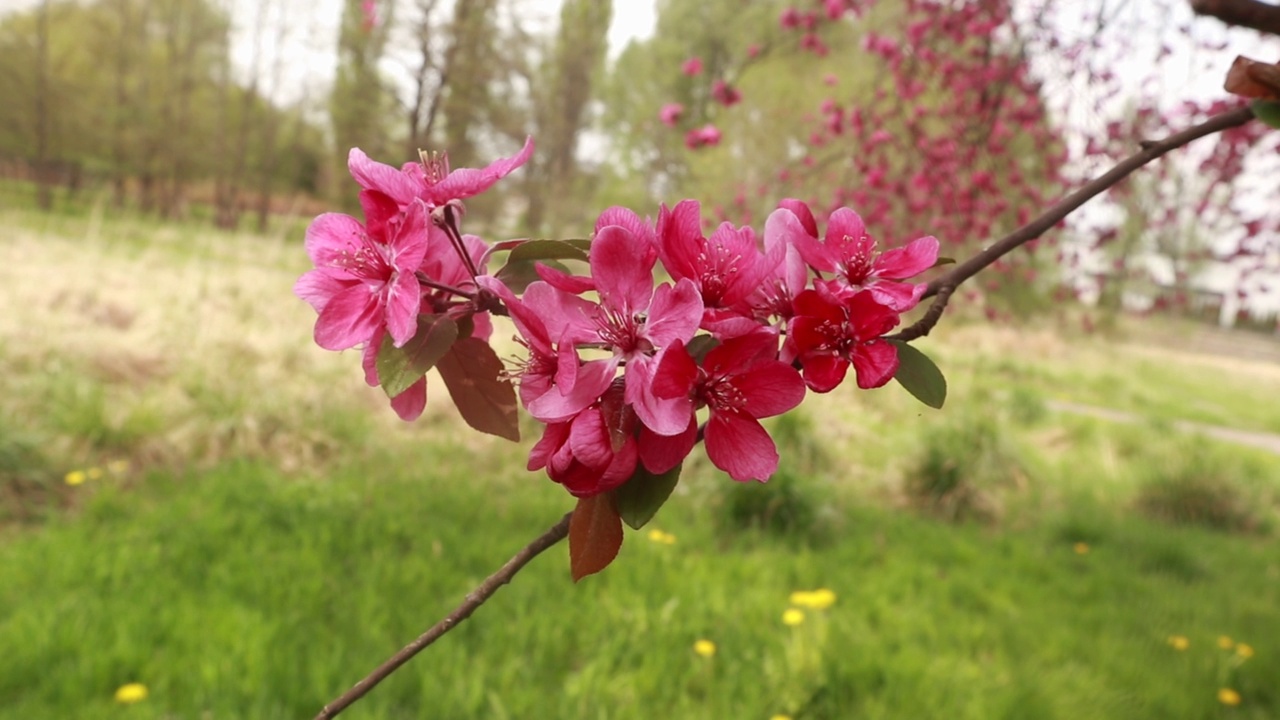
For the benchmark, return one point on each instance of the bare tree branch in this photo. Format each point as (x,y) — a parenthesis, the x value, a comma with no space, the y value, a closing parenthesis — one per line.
(1261,16)
(474,600)
(943,287)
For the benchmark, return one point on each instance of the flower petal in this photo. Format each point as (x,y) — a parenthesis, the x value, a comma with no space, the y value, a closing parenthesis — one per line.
(331,237)
(674,314)
(467,182)
(410,403)
(660,453)
(350,318)
(897,296)
(739,445)
(319,286)
(399,186)
(770,388)
(904,262)
(680,238)
(875,363)
(664,416)
(625,284)
(822,373)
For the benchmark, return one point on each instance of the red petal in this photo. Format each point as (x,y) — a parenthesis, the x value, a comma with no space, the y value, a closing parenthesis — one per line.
(740,446)
(904,262)
(350,318)
(822,373)
(410,403)
(624,283)
(770,388)
(674,314)
(660,453)
(875,363)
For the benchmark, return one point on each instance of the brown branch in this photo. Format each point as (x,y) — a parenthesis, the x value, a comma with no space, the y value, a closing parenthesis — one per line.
(942,287)
(1260,16)
(474,600)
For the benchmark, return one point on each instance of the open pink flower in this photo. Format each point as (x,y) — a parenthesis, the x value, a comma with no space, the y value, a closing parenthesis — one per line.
(774,296)
(692,66)
(740,381)
(725,94)
(850,252)
(828,333)
(364,283)
(705,135)
(432,180)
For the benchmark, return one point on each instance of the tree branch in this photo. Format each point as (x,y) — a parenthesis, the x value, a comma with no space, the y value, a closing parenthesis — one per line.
(1243,13)
(942,287)
(474,600)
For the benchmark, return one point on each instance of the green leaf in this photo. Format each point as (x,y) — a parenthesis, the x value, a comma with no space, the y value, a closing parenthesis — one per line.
(487,402)
(518,276)
(1268,111)
(943,261)
(700,345)
(595,535)
(520,268)
(918,374)
(639,499)
(400,367)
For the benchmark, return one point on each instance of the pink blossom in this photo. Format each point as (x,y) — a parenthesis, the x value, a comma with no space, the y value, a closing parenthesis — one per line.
(364,283)
(740,381)
(692,66)
(670,114)
(368,15)
(432,180)
(705,135)
(593,452)
(850,253)
(829,333)
(725,94)
(789,19)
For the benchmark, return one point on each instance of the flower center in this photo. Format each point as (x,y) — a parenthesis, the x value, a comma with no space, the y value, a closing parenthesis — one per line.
(370,261)
(435,165)
(622,332)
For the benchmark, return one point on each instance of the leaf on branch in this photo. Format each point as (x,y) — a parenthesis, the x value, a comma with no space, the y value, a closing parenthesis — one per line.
(400,367)
(595,535)
(920,376)
(520,268)
(700,345)
(487,402)
(640,498)
(943,261)
(1268,111)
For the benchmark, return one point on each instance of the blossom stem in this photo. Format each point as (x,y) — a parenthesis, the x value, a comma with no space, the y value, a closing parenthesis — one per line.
(474,600)
(450,226)
(422,278)
(941,288)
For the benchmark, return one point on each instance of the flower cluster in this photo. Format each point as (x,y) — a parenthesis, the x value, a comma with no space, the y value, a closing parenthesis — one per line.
(621,361)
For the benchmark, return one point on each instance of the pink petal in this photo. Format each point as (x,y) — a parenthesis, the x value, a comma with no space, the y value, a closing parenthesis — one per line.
(568,318)
(371,175)
(379,210)
(404,300)
(822,373)
(410,403)
(331,236)
(680,238)
(350,318)
(740,446)
(624,283)
(770,388)
(869,318)
(589,439)
(897,296)
(674,314)
(318,286)
(847,237)
(554,436)
(467,182)
(904,262)
(561,403)
(737,354)
(527,322)
(676,372)
(875,363)
(627,218)
(660,453)
(664,416)
(803,214)
(560,280)
(409,246)
(622,467)
(369,357)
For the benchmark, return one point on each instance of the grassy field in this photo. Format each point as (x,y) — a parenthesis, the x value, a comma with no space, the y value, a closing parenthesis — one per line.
(248,529)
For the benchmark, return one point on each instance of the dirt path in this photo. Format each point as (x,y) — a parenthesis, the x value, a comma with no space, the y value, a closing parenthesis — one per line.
(1261,440)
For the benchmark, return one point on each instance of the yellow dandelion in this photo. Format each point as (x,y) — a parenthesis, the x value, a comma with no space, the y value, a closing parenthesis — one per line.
(1225,642)
(1178,642)
(75,477)
(1082,548)
(95,473)
(662,538)
(819,599)
(780,717)
(118,467)
(1244,651)
(1227,696)
(792,617)
(704,648)
(131,693)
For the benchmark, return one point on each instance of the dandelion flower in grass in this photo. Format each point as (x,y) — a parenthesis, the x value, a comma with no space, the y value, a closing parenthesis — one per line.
(780,717)
(1179,642)
(1225,642)
(819,599)
(75,477)
(704,648)
(1227,696)
(131,693)
(662,538)
(1244,651)
(792,617)
(1082,548)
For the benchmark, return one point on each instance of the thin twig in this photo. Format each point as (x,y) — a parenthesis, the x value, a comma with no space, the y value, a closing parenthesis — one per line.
(474,600)
(942,287)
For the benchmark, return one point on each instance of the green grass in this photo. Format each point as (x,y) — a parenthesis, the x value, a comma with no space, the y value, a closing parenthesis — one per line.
(278,533)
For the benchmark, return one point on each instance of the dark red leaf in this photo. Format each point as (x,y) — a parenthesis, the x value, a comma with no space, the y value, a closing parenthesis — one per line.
(595,535)
(473,373)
